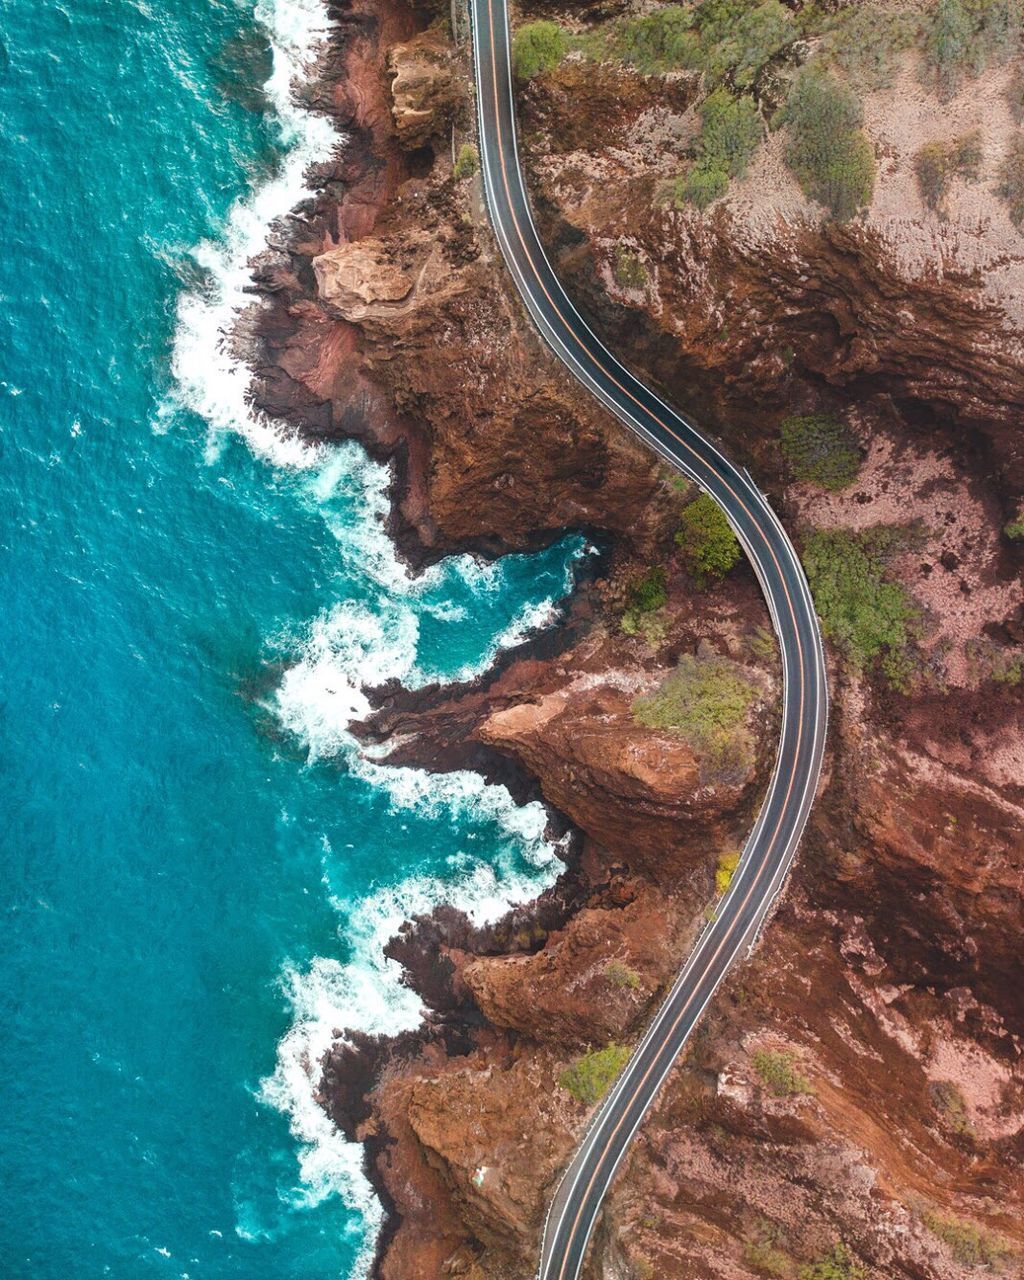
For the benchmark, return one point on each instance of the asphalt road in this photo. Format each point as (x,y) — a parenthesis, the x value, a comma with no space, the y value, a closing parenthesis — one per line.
(772,844)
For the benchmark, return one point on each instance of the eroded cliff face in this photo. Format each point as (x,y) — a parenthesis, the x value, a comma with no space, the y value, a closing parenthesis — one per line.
(859,1079)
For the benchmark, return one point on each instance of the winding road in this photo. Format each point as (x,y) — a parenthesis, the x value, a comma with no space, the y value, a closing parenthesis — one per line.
(771,846)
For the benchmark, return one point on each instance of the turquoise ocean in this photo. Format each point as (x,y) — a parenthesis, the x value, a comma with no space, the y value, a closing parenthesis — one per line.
(199,867)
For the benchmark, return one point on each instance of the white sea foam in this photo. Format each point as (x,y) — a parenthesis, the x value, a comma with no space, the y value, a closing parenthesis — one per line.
(209,380)
(346,649)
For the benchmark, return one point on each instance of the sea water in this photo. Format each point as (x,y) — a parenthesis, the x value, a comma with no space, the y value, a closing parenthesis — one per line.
(199,867)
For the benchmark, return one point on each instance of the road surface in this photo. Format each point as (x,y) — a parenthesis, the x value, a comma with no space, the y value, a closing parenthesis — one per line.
(772,844)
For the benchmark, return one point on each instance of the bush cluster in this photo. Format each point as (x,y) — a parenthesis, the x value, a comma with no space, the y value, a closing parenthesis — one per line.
(836,1265)
(778,1072)
(628,268)
(970,1244)
(963,37)
(868,618)
(705,702)
(466,163)
(820,449)
(828,151)
(730,129)
(708,543)
(866,40)
(1011,179)
(590,1076)
(936,164)
(621,975)
(537,47)
(726,869)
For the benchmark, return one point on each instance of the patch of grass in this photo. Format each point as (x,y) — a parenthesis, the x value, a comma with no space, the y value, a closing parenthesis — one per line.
(778,1072)
(963,37)
(1011,179)
(537,47)
(762,644)
(707,541)
(466,163)
(970,1244)
(1014,529)
(828,151)
(869,618)
(590,1076)
(705,702)
(767,1258)
(867,39)
(628,268)
(835,1265)
(950,1104)
(726,869)
(936,164)
(621,975)
(820,449)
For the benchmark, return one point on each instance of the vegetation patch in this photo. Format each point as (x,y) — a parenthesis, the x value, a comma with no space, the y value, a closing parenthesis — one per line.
(628,268)
(1014,529)
(970,1244)
(466,163)
(867,39)
(821,450)
(726,869)
(778,1072)
(936,164)
(644,598)
(1011,180)
(590,1076)
(621,975)
(950,1104)
(868,617)
(828,151)
(835,1265)
(963,37)
(537,47)
(705,702)
(766,1257)
(707,541)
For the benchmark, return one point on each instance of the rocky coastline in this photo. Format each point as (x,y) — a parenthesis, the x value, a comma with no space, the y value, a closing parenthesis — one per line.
(858,1083)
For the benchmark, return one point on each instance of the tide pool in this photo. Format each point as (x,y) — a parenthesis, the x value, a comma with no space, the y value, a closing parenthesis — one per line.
(199,867)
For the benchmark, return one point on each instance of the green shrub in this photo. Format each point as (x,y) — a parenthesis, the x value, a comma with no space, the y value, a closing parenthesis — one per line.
(828,151)
(536,48)
(767,1258)
(656,42)
(707,540)
(726,869)
(645,597)
(866,616)
(963,37)
(936,164)
(749,41)
(1011,179)
(778,1072)
(702,185)
(820,449)
(950,1104)
(628,269)
(621,975)
(970,1244)
(836,1265)
(705,702)
(730,129)
(1014,529)
(867,39)
(467,162)
(590,1076)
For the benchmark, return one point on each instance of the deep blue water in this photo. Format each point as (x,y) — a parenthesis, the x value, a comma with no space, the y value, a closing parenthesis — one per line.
(197,866)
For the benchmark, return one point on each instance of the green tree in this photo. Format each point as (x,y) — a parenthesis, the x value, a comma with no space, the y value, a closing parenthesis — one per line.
(708,543)
(828,151)
(536,48)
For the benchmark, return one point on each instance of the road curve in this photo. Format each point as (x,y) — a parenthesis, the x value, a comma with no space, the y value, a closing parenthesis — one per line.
(772,844)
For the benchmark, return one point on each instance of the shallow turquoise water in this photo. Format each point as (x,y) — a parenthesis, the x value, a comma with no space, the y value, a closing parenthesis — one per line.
(198,868)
